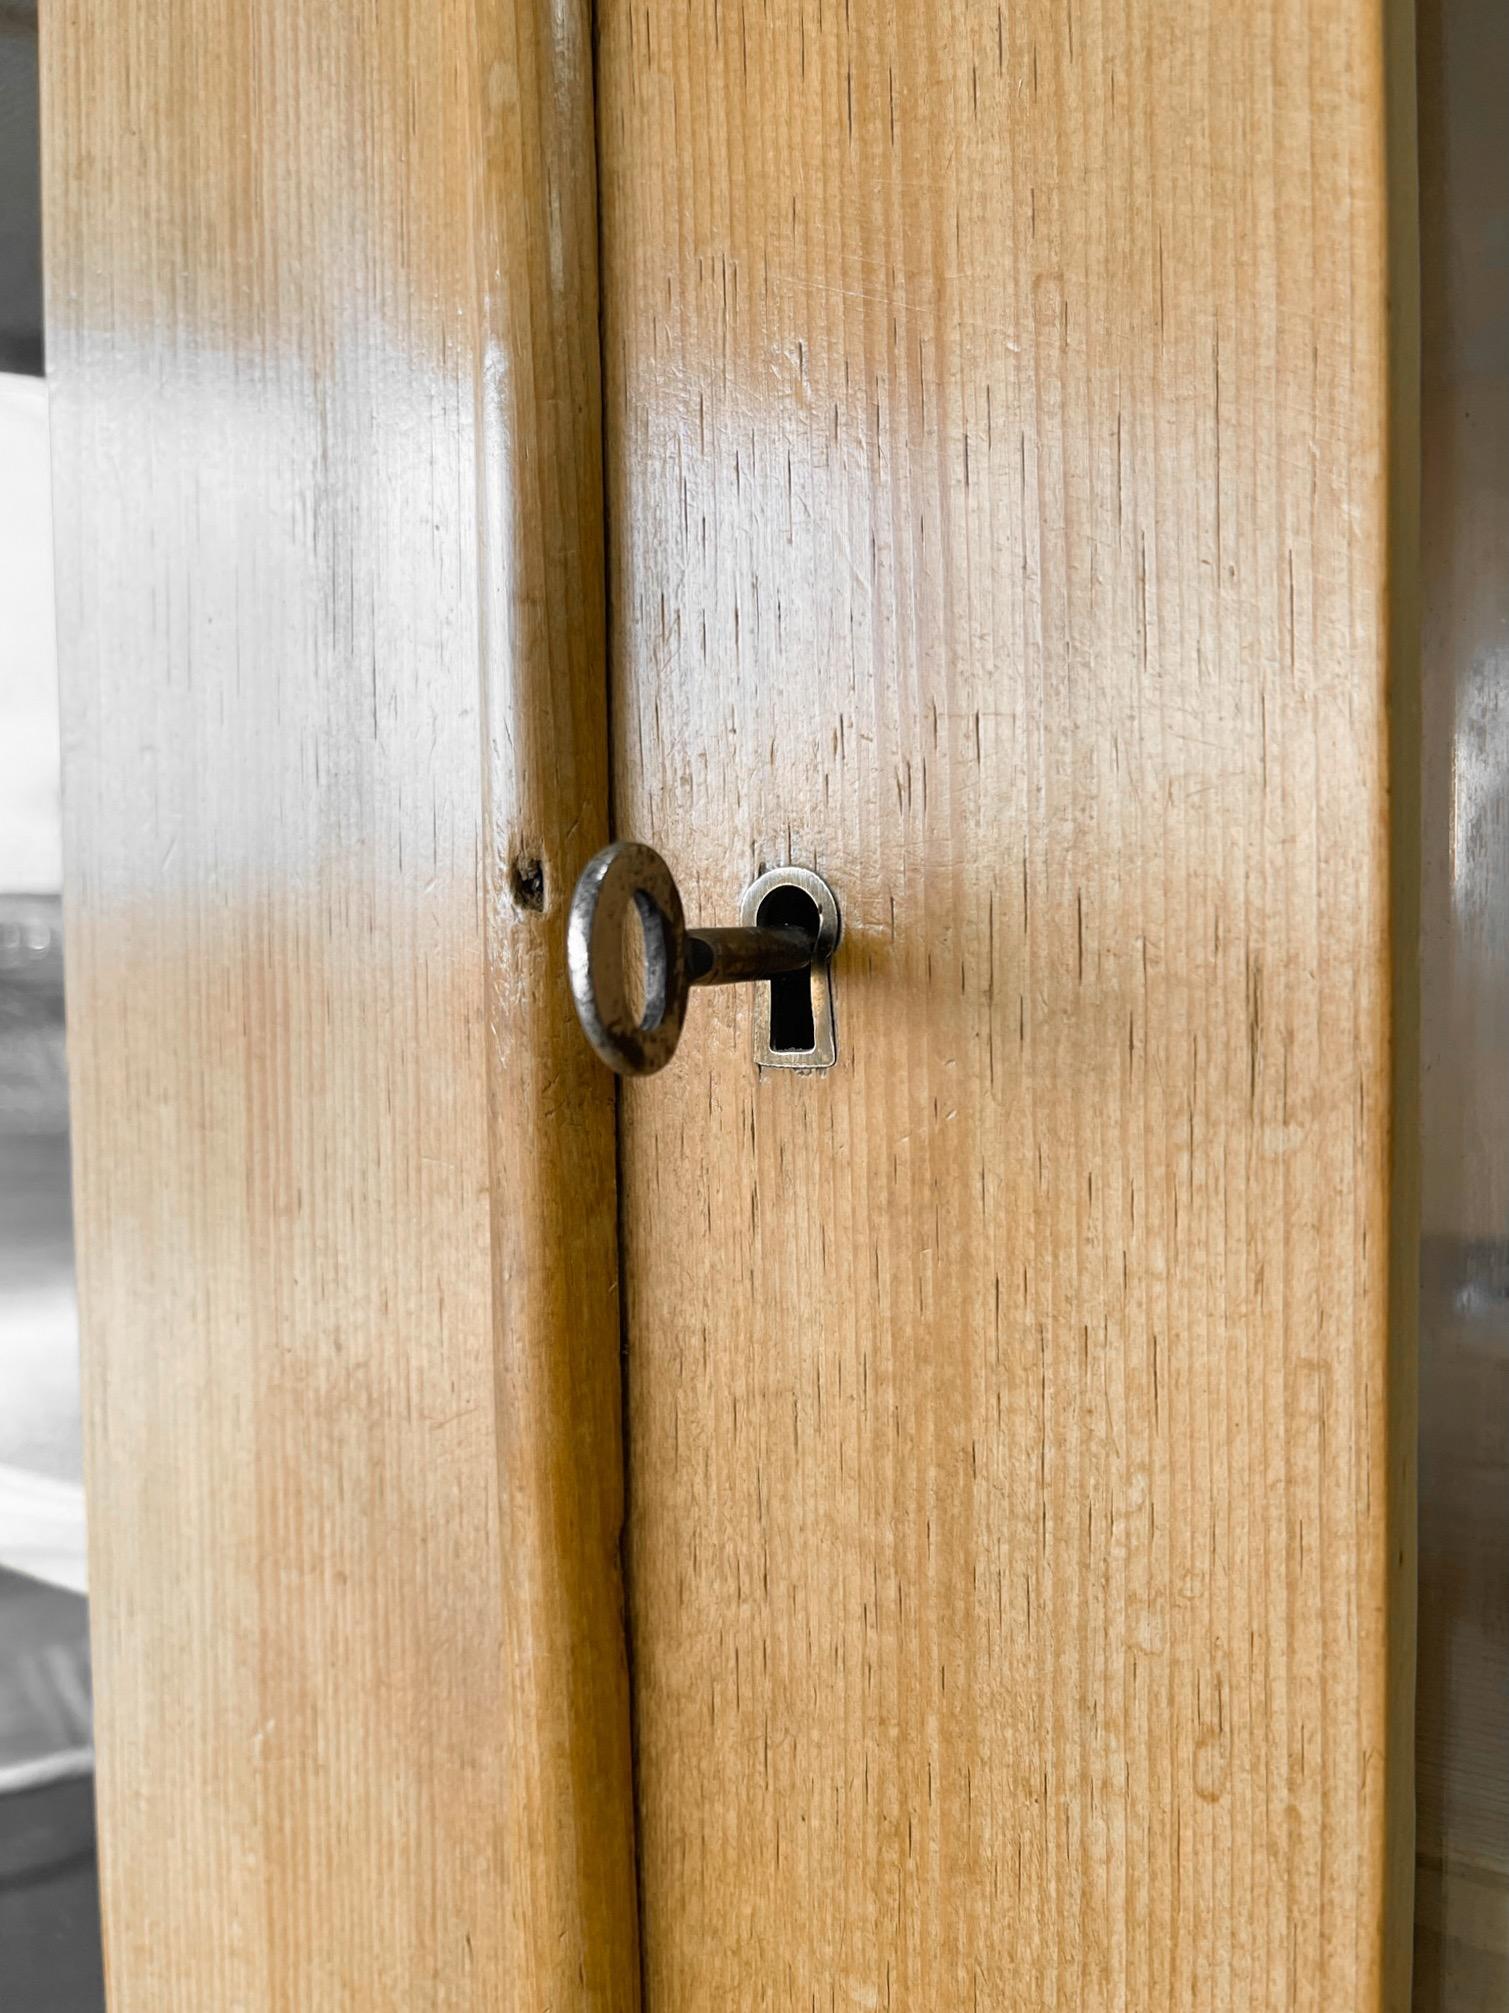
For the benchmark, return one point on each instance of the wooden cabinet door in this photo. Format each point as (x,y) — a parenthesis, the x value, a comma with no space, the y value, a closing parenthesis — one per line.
(1010,440)
(322,335)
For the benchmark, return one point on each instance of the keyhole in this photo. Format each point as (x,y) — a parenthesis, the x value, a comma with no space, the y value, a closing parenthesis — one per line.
(791,1026)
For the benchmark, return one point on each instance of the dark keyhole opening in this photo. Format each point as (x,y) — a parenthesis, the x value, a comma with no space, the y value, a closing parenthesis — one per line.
(791,1025)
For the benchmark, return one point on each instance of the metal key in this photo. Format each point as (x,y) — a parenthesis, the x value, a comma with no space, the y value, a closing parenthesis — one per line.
(675,958)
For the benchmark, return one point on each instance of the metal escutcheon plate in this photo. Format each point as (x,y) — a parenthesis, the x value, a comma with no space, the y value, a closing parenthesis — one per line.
(819,978)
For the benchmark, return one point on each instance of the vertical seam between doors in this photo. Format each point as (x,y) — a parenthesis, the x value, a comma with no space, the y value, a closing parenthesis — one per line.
(607,437)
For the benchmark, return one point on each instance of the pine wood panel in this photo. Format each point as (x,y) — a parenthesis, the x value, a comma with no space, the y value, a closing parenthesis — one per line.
(323,341)
(1009,460)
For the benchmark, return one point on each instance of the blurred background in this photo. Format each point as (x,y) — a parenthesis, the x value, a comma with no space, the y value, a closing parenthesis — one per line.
(49,1914)
(1462,1688)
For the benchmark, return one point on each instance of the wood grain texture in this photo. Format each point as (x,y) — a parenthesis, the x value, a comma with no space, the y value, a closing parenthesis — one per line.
(1003,431)
(1462,1914)
(323,341)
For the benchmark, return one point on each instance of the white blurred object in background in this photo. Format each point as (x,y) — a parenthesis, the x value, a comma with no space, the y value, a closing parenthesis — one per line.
(41,1487)
(30,809)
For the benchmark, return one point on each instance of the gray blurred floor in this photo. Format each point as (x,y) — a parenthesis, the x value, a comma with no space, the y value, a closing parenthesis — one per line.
(49,1882)
(49,1885)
